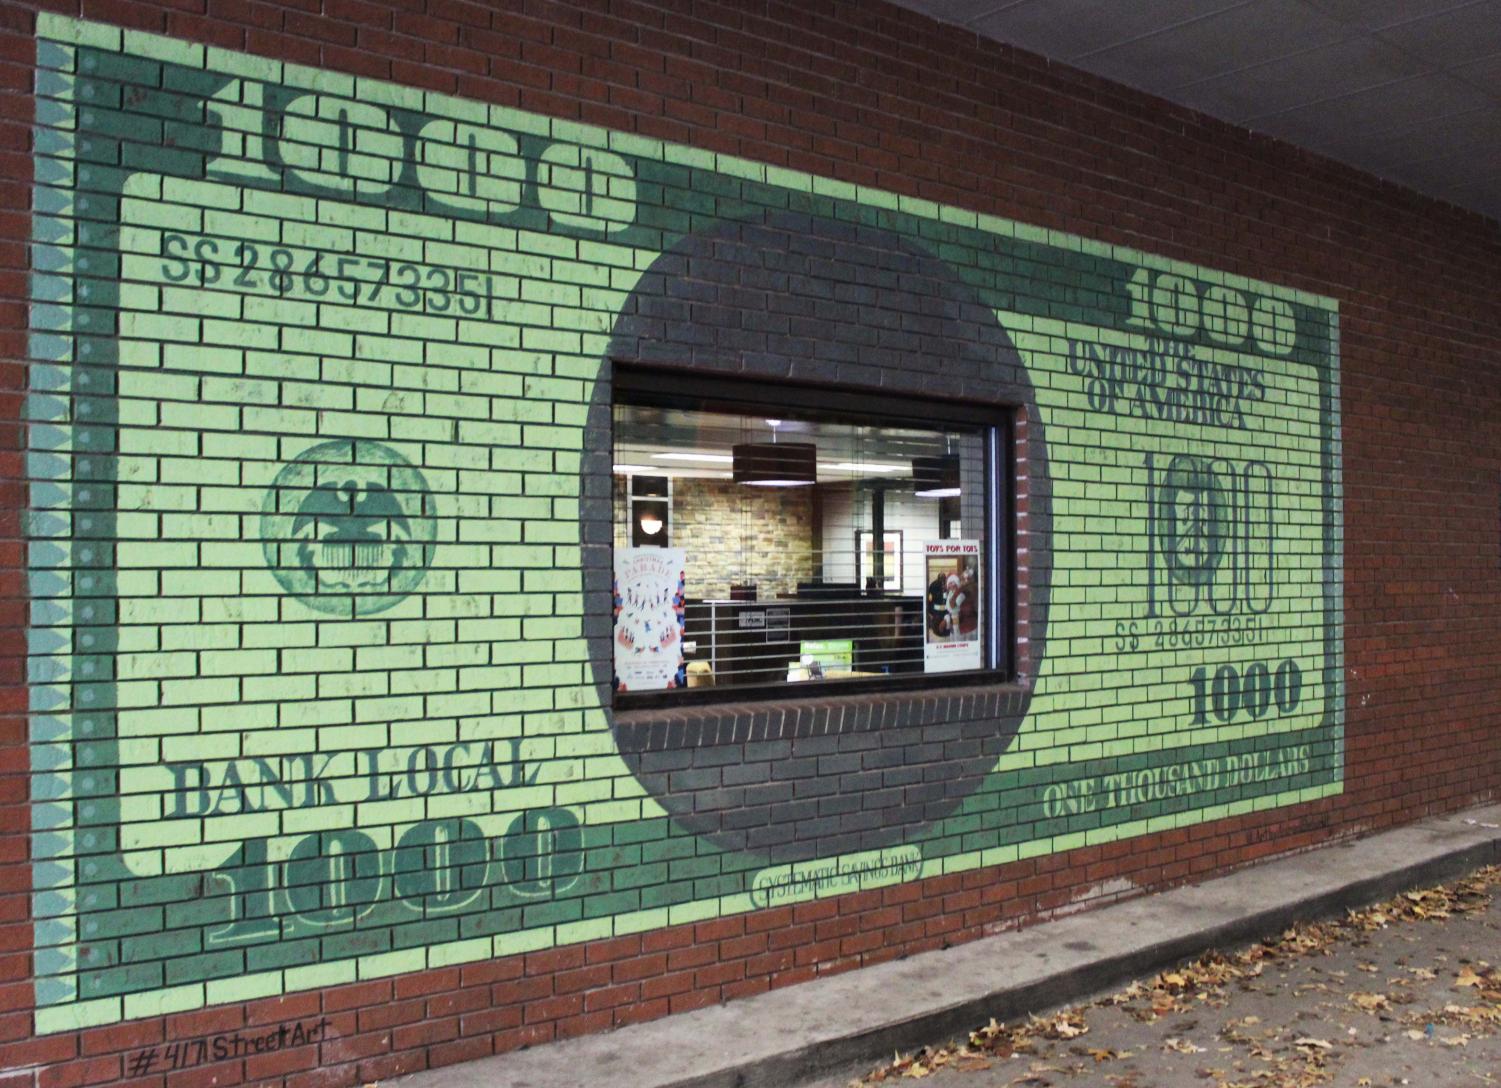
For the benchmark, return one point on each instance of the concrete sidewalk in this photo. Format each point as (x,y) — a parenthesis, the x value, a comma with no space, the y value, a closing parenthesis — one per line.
(798,1033)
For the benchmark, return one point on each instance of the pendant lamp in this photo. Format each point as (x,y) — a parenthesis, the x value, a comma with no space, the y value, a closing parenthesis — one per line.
(935,477)
(775,464)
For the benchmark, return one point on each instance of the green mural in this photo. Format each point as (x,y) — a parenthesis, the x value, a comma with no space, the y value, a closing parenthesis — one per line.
(312,697)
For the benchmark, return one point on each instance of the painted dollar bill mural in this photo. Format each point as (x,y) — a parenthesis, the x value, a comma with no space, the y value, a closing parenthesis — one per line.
(314,696)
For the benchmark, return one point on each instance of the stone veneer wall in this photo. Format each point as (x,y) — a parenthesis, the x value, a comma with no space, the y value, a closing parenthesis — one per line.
(735,534)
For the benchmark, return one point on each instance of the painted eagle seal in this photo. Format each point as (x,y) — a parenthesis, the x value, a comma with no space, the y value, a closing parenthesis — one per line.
(352,535)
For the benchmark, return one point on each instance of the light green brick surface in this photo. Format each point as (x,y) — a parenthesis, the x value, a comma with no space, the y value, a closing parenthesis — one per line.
(230,757)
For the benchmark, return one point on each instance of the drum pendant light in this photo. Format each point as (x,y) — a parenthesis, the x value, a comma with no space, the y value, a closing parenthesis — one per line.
(775,464)
(935,477)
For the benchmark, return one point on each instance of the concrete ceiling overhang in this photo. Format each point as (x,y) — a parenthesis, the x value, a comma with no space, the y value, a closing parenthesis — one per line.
(1407,90)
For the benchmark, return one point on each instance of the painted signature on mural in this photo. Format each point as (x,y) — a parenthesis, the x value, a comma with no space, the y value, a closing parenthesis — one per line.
(186,1053)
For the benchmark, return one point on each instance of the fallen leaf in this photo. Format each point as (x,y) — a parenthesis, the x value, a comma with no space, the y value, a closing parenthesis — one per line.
(1182,1046)
(1065,1025)
(1204,982)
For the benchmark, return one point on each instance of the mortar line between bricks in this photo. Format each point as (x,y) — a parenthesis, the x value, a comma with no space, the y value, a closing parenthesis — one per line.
(923,1024)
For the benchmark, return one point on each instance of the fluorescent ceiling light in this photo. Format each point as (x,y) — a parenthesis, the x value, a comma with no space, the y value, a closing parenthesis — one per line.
(709,458)
(660,470)
(862,466)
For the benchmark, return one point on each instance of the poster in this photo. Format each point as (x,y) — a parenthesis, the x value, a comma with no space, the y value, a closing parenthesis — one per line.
(891,560)
(952,638)
(649,592)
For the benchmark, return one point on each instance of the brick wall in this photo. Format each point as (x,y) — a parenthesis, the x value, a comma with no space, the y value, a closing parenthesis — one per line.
(526,863)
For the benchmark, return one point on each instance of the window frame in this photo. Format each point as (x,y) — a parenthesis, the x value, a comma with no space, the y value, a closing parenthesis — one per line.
(660,387)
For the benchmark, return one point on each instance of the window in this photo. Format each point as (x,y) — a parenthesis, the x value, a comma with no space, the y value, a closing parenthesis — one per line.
(746,521)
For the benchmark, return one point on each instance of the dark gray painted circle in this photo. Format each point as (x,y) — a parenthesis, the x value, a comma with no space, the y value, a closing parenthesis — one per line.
(804,299)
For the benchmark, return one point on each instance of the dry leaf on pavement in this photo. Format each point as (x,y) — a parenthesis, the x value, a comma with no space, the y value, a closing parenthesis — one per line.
(1311,1043)
(1468,977)
(1208,979)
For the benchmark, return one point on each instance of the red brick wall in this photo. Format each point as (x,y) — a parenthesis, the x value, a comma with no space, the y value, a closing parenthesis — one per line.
(875,95)
(17,54)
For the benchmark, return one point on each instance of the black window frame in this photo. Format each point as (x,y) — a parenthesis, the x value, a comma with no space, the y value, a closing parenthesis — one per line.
(659,387)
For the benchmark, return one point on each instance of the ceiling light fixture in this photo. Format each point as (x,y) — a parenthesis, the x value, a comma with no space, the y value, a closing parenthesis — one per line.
(774,464)
(862,466)
(770,464)
(935,477)
(707,458)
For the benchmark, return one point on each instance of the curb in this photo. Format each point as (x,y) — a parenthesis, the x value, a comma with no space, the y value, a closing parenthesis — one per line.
(798,1033)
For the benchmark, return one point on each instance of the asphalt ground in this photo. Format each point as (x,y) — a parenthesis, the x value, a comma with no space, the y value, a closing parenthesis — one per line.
(1405,993)
(1293,999)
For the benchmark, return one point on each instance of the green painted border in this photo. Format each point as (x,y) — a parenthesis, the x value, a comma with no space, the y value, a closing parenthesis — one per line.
(49,529)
